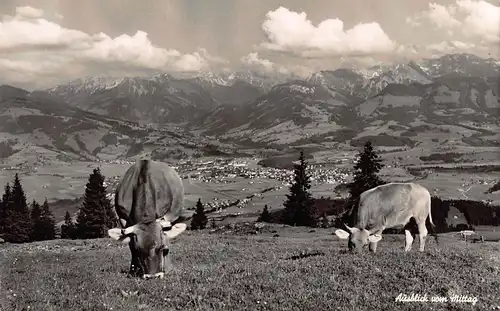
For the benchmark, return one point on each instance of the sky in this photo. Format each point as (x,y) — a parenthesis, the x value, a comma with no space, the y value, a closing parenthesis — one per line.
(47,42)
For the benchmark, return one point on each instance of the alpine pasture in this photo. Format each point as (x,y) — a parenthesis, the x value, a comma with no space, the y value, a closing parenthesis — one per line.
(241,266)
(223,270)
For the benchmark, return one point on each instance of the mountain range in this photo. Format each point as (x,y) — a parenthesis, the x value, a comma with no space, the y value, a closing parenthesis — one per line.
(453,99)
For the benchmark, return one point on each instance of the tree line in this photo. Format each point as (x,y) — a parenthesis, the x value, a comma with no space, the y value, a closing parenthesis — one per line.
(301,209)
(21,223)
(18,222)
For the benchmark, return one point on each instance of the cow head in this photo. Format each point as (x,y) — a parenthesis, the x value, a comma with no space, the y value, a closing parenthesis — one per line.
(358,238)
(149,244)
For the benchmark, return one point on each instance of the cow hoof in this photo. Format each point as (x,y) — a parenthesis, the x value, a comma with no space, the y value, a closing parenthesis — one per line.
(159,275)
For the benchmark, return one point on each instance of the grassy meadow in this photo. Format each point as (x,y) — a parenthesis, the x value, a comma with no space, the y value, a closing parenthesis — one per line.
(280,268)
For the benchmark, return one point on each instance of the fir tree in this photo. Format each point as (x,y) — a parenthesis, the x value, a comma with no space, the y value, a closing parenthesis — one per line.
(18,225)
(5,204)
(47,222)
(299,205)
(264,216)
(68,228)
(3,208)
(95,216)
(199,220)
(36,213)
(366,169)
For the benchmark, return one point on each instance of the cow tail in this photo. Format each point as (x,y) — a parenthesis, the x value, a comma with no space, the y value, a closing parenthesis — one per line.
(433,231)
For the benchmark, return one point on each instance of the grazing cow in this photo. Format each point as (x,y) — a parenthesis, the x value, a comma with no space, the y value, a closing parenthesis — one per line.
(389,206)
(465,233)
(148,201)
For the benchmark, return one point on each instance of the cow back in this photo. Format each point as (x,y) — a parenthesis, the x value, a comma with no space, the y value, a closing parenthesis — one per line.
(388,205)
(162,189)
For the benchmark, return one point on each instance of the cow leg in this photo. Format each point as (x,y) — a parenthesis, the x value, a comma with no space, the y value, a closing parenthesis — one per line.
(408,240)
(372,246)
(167,263)
(422,233)
(135,266)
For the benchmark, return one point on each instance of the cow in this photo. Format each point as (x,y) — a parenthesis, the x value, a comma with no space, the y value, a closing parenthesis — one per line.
(465,233)
(148,201)
(388,206)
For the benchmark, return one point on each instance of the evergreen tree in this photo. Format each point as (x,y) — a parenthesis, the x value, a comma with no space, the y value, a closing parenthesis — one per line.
(48,222)
(96,215)
(299,205)
(199,220)
(36,213)
(5,204)
(68,228)
(3,208)
(18,225)
(264,216)
(366,169)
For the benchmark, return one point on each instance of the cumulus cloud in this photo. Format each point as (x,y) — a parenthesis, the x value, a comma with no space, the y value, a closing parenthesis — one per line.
(438,15)
(29,12)
(292,32)
(255,62)
(447,47)
(27,39)
(477,21)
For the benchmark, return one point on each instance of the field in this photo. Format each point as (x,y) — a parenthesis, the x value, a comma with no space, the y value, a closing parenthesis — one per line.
(297,270)
(279,268)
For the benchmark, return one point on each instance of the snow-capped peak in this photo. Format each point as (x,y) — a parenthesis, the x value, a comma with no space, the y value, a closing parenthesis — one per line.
(89,84)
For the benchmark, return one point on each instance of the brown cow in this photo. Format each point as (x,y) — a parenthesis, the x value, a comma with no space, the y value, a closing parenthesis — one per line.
(389,206)
(148,201)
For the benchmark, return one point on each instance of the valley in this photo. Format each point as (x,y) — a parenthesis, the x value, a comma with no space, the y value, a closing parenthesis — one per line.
(220,181)
(430,121)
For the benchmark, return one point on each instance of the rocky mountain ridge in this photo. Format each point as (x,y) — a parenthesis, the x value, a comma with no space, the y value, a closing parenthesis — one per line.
(399,105)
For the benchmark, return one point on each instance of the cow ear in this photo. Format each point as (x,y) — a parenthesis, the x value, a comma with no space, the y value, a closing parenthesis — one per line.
(117,234)
(176,230)
(342,234)
(374,238)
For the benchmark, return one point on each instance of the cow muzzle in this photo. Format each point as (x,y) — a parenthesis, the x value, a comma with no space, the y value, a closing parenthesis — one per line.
(159,275)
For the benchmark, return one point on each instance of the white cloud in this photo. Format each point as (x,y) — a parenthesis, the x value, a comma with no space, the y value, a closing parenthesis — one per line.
(477,21)
(36,45)
(29,12)
(446,47)
(254,61)
(482,19)
(439,15)
(292,32)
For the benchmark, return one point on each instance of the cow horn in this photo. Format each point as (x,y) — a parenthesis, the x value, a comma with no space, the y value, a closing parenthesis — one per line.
(348,228)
